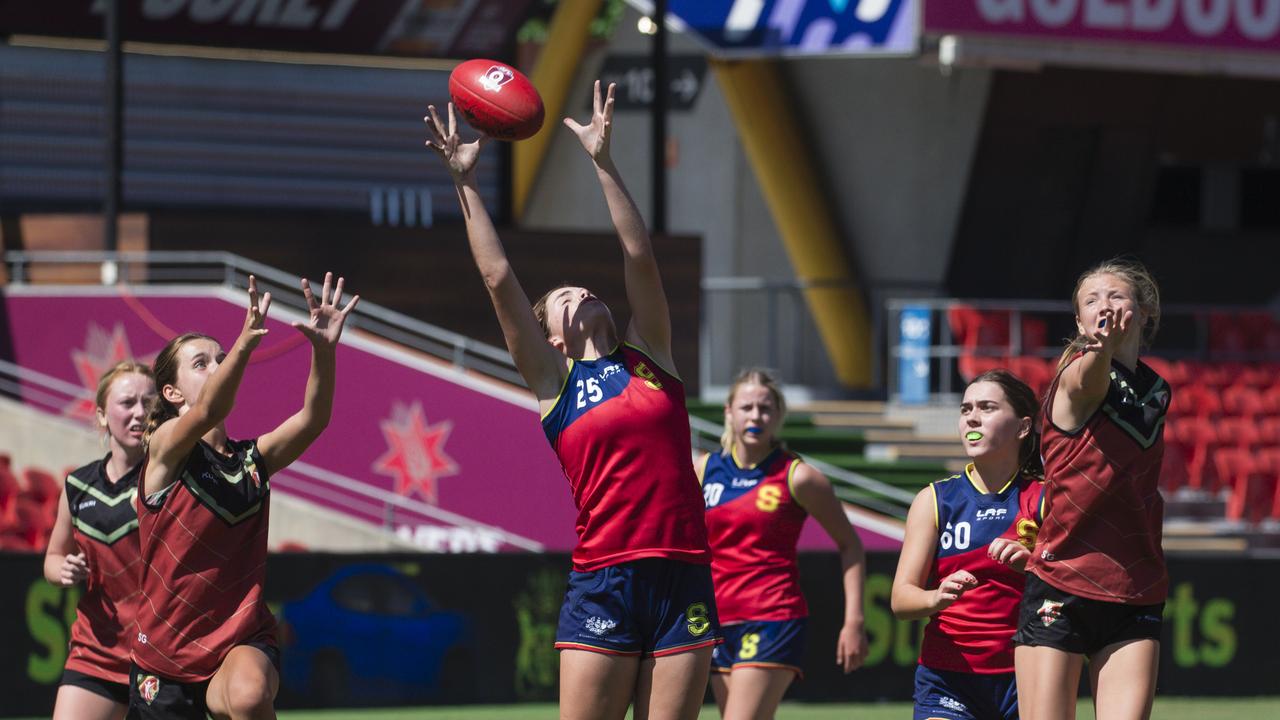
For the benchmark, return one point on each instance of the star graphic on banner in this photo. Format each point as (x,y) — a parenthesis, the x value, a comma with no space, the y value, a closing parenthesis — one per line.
(101,352)
(415,454)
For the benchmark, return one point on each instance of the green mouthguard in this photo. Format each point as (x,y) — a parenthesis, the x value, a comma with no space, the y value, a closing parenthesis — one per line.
(973,435)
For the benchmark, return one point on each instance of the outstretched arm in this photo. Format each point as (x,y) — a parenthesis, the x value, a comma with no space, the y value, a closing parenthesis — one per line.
(541,365)
(1084,382)
(171,442)
(280,447)
(650,326)
(813,491)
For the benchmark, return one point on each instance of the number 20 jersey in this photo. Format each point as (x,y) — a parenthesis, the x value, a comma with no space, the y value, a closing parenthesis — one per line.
(974,634)
(754,523)
(621,431)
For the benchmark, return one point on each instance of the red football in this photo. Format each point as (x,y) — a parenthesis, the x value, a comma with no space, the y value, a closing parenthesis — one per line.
(496,99)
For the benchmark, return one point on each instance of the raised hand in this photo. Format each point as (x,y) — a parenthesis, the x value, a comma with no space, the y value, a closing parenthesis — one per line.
(256,317)
(74,569)
(460,157)
(1110,332)
(951,588)
(594,136)
(327,319)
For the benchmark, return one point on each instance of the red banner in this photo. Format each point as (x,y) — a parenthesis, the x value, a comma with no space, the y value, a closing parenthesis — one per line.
(1243,25)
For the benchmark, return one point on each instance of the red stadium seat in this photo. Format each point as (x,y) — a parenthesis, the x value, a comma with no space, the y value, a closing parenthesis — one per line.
(1252,484)
(33,523)
(1270,457)
(1271,400)
(1197,400)
(984,336)
(1036,372)
(10,489)
(1173,470)
(1269,431)
(1174,373)
(1243,401)
(1199,439)
(43,488)
(1239,432)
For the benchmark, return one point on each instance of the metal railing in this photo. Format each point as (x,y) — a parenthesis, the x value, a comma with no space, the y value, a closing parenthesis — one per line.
(182,267)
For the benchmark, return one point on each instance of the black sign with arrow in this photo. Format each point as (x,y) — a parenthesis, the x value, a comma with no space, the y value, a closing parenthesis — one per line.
(633,75)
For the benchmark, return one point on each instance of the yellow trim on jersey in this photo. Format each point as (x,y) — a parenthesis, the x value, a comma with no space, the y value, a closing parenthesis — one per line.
(934,487)
(702,472)
(970,467)
(791,474)
(568,373)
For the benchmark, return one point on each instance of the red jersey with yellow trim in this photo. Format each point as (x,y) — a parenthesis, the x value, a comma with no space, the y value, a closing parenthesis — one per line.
(621,432)
(974,634)
(1104,517)
(753,523)
(104,525)
(204,553)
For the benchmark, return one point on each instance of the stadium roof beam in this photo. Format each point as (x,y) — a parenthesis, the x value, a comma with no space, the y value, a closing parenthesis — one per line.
(552,75)
(781,159)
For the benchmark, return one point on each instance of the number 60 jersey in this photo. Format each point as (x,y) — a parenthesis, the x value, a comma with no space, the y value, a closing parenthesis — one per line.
(974,634)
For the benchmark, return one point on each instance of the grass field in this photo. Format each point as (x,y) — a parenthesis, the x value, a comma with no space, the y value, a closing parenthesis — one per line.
(1165,709)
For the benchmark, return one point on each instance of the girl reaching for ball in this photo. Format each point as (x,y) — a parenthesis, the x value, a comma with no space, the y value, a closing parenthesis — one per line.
(1097,582)
(968,539)
(638,620)
(205,642)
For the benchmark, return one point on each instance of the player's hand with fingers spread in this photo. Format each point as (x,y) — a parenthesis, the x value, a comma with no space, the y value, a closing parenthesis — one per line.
(851,647)
(951,588)
(255,318)
(75,569)
(460,157)
(594,136)
(1009,552)
(326,317)
(1112,330)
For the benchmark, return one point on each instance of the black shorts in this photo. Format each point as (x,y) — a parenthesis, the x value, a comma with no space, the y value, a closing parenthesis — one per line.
(1050,617)
(113,691)
(152,697)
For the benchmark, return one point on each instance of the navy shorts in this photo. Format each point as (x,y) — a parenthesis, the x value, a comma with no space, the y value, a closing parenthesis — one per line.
(948,695)
(762,643)
(113,691)
(1050,617)
(650,607)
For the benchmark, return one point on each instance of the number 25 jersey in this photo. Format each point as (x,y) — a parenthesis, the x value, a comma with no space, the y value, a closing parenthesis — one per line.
(621,431)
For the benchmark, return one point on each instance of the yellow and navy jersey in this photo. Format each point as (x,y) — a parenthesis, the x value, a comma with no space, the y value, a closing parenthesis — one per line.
(753,524)
(974,634)
(621,431)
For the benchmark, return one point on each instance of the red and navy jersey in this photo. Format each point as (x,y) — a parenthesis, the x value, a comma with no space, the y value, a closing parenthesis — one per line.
(105,527)
(753,523)
(974,634)
(1104,515)
(621,432)
(204,554)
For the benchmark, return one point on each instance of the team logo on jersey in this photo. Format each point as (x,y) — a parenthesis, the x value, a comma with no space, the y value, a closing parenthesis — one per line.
(1050,612)
(609,371)
(599,626)
(991,514)
(744,482)
(148,687)
(252,468)
(642,371)
(952,704)
(86,504)
(495,77)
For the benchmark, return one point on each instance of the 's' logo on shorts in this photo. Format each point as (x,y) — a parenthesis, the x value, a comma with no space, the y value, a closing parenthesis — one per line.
(599,626)
(1050,612)
(148,687)
(699,623)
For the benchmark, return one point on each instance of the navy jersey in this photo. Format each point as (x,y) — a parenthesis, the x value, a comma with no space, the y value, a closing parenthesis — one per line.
(973,634)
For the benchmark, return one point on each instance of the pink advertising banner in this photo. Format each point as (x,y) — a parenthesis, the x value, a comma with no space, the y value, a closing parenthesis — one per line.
(453,463)
(1241,25)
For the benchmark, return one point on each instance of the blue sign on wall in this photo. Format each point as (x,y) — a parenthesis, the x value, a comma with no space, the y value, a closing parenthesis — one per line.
(914,331)
(802,27)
